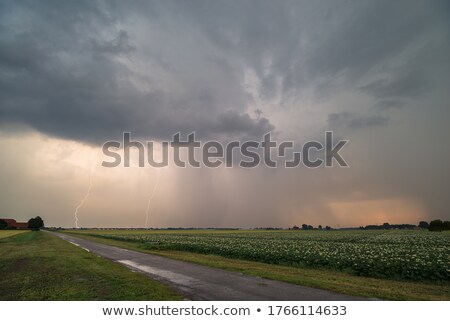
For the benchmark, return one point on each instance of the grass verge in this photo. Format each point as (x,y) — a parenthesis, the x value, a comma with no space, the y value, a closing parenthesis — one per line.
(40,266)
(317,278)
(9,233)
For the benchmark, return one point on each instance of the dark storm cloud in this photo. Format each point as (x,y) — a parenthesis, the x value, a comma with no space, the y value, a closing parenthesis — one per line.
(309,42)
(89,70)
(77,83)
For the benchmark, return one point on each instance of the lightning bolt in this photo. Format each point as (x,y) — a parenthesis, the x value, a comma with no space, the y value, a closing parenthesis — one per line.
(80,205)
(155,187)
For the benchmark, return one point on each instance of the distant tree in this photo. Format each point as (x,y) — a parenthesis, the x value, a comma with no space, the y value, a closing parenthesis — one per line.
(327,228)
(36,223)
(304,227)
(446,225)
(320,227)
(3,225)
(310,227)
(386,225)
(436,226)
(423,224)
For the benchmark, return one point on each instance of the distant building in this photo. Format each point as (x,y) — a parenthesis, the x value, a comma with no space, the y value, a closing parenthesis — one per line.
(12,223)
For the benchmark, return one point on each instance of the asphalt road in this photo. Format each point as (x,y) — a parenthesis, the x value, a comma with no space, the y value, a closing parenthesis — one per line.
(199,282)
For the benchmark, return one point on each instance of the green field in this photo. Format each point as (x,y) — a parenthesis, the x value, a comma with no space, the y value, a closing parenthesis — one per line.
(395,265)
(413,255)
(388,264)
(8,233)
(40,266)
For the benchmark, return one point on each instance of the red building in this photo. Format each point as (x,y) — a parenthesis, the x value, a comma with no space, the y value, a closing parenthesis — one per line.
(13,224)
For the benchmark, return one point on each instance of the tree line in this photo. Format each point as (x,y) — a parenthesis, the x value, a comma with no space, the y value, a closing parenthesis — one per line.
(434,226)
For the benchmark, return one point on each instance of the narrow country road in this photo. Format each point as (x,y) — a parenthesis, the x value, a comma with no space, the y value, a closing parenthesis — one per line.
(199,282)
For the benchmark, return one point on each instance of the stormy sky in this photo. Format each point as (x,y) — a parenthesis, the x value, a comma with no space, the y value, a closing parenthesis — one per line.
(76,74)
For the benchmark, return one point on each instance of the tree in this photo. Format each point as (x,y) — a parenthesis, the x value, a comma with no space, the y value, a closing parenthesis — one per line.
(446,225)
(36,223)
(436,226)
(327,228)
(320,227)
(3,225)
(423,224)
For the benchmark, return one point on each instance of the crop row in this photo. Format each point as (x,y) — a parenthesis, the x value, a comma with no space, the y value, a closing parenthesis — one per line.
(415,255)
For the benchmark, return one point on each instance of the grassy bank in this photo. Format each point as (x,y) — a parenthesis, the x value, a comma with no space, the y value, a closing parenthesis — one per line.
(318,278)
(40,266)
(9,233)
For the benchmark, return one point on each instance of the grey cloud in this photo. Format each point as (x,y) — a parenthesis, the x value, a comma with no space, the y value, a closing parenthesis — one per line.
(384,105)
(411,85)
(242,123)
(74,84)
(117,46)
(304,43)
(90,70)
(355,121)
